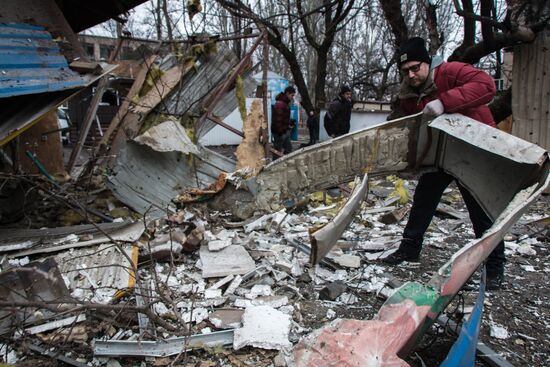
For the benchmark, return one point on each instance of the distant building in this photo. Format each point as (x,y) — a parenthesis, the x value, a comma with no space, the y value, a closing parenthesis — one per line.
(99,48)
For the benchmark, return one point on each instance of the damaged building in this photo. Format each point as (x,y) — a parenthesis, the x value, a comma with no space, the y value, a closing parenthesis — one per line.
(143,246)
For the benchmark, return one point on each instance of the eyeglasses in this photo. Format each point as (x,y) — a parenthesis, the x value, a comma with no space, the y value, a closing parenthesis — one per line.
(414,68)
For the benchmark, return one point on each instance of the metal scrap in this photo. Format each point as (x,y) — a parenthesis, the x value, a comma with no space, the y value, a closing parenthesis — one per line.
(325,238)
(161,348)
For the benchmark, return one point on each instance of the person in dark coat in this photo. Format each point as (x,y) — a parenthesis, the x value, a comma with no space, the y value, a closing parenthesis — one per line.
(280,121)
(338,114)
(436,87)
(313,126)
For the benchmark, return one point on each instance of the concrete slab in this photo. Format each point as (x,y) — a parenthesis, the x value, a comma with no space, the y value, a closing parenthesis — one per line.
(233,259)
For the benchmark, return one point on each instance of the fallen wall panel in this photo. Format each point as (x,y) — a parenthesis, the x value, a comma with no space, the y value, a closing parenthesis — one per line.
(387,147)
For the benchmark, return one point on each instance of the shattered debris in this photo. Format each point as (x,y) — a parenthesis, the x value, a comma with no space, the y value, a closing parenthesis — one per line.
(224,254)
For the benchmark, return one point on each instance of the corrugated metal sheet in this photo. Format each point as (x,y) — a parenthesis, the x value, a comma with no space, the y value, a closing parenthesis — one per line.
(31,62)
(196,88)
(531,91)
(98,274)
(147,180)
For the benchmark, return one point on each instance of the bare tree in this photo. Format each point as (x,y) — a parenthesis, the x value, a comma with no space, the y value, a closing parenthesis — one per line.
(287,22)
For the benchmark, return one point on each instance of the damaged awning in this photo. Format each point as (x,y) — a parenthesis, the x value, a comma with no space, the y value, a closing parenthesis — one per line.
(31,62)
(34,75)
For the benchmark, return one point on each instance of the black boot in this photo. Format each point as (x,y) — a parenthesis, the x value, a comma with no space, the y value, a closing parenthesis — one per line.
(409,250)
(494,280)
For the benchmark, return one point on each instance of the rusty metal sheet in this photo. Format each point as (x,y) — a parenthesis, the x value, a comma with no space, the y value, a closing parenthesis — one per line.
(325,238)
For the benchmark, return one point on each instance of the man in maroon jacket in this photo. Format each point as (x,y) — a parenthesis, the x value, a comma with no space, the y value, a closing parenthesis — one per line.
(436,87)
(280,121)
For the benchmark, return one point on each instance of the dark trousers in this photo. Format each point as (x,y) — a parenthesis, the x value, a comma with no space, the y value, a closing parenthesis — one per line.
(281,142)
(426,198)
(313,135)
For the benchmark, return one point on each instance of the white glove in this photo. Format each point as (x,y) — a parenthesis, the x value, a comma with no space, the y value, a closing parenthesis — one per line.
(434,108)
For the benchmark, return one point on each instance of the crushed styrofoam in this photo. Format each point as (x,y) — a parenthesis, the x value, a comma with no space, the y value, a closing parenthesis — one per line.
(263,327)
(498,332)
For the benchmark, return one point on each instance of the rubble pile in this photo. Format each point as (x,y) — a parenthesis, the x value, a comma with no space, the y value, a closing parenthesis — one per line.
(199,280)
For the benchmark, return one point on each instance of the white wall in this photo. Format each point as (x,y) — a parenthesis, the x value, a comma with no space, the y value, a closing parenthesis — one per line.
(358,121)
(220,135)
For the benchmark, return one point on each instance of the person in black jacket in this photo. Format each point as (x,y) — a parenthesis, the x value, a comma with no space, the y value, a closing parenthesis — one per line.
(281,125)
(313,126)
(339,113)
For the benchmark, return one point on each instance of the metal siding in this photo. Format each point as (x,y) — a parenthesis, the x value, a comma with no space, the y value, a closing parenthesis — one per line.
(31,62)
(531,91)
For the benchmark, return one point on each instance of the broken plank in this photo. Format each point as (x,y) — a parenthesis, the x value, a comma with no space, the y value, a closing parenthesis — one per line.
(250,153)
(124,107)
(55,324)
(86,67)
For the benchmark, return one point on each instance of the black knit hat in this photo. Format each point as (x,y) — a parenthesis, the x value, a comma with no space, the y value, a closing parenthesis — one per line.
(344,89)
(414,49)
(290,89)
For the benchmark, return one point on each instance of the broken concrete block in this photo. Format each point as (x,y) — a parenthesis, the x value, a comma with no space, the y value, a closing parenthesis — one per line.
(197,315)
(212,293)
(259,290)
(526,249)
(218,245)
(257,224)
(224,234)
(284,265)
(278,218)
(332,291)
(263,327)
(226,319)
(233,259)
(220,283)
(208,236)
(348,261)
(234,285)
(498,332)
(348,298)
